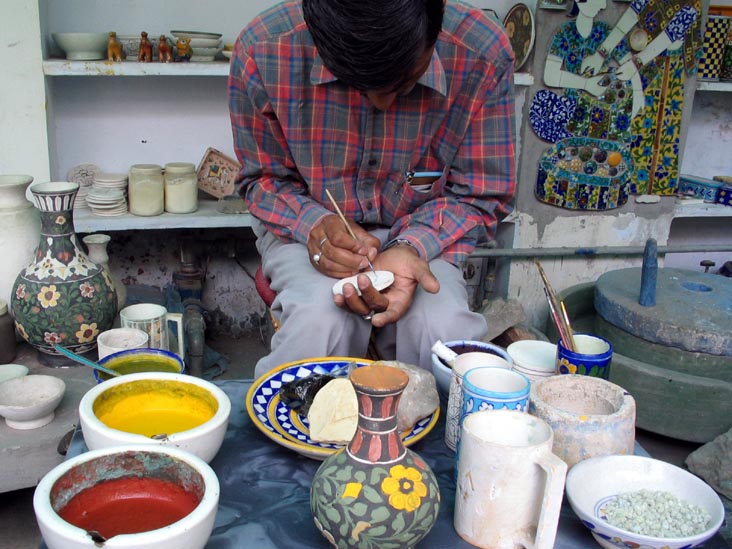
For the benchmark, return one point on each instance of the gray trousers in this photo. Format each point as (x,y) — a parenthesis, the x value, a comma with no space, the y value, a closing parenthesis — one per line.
(311,325)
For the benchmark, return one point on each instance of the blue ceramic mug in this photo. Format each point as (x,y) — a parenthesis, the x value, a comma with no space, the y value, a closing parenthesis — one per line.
(592,358)
(492,388)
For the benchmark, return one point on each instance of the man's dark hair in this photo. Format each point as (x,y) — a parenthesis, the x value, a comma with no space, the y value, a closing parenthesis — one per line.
(373,44)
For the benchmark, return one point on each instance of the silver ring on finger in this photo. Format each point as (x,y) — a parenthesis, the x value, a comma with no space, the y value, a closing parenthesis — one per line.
(316,258)
(370,315)
(322,241)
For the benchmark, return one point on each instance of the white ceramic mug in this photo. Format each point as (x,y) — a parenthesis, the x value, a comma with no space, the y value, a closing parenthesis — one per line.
(120,339)
(509,484)
(460,365)
(153,319)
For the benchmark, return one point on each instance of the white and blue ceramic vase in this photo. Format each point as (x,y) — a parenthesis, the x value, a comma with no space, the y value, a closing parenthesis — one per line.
(375,493)
(62,296)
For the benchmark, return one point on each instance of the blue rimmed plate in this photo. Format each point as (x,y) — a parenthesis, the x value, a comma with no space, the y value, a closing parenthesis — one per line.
(287,427)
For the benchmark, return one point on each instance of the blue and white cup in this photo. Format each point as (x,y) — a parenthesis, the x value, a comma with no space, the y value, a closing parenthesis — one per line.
(494,389)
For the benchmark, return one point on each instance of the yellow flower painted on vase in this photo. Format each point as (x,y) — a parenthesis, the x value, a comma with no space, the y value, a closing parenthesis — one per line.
(352,490)
(60,220)
(87,332)
(48,296)
(21,331)
(404,487)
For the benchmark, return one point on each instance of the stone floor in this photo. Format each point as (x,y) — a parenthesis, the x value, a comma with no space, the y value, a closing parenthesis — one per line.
(18,528)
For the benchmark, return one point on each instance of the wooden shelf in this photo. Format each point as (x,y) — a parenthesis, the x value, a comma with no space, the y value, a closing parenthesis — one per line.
(207,216)
(62,67)
(702,210)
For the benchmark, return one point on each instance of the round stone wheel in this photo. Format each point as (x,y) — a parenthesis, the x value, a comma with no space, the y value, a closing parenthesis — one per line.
(693,310)
(668,402)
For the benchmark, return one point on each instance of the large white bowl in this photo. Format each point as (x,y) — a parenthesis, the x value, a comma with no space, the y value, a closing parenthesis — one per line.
(82,46)
(593,483)
(28,402)
(86,470)
(203,441)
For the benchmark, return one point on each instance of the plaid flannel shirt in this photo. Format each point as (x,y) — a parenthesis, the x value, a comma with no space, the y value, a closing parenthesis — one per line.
(299,131)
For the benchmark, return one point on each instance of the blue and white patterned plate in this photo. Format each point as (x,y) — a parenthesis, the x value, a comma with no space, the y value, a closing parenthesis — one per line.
(287,427)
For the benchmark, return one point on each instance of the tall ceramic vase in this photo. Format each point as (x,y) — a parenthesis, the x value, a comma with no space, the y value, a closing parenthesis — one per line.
(96,246)
(20,228)
(62,296)
(375,493)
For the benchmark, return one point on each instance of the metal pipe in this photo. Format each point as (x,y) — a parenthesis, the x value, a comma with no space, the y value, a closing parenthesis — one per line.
(596,251)
(195,329)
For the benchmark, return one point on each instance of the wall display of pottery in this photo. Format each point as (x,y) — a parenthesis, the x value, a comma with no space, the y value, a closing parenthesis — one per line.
(613,87)
(62,296)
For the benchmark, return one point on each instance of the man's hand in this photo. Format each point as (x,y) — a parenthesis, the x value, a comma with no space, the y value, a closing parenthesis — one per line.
(390,305)
(335,253)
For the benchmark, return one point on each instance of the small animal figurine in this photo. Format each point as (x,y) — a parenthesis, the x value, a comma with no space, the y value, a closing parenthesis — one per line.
(146,49)
(183,46)
(165,52)
(114,48)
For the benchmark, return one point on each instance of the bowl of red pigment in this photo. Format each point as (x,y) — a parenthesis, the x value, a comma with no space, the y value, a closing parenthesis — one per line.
(131,497)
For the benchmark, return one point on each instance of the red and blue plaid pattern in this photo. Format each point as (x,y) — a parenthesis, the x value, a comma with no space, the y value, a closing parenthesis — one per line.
(299,131)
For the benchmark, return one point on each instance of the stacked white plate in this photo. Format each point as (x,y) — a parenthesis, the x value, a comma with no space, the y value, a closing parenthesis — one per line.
(205,45)
(103,180)
(533,358)
(107,202)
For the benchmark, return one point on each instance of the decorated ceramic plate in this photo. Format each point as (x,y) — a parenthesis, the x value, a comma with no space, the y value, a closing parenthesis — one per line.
(519,24)
(287,427)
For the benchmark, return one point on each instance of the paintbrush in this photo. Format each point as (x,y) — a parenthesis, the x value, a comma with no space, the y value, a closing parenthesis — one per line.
(556,308)
(348,227)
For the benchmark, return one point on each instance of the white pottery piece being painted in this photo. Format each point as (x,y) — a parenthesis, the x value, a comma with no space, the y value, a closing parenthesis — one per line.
(589,416)
(509,485)
(380,280)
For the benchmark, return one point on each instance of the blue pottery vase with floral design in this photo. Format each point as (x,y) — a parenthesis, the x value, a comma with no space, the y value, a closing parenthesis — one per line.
(62,296)
(375,493)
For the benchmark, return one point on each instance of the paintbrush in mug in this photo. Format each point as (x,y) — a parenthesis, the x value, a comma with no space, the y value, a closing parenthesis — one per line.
(348,227)
(555,306)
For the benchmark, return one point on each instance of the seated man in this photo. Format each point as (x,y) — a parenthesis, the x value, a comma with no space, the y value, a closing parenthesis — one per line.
(358,98)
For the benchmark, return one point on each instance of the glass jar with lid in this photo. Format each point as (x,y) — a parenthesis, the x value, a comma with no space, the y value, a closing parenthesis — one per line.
(146,190)
(181,187)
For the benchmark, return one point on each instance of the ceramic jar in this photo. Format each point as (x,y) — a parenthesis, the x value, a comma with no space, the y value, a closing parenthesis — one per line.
(146,190)
(20,227)
(96,245)
(589,416)
(62,296)
(375,492)
(181,188)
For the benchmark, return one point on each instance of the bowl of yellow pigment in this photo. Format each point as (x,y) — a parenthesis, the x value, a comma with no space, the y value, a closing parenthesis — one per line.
(156,408)
(135,361)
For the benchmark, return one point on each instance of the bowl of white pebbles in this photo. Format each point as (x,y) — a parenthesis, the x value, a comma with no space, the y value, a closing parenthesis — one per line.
(635,501)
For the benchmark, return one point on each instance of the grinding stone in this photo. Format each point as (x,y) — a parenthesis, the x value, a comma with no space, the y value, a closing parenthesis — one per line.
(693,310)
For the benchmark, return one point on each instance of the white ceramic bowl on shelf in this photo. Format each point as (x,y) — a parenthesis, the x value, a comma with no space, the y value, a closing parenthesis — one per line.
(82,46)
(593,483)
(85,476)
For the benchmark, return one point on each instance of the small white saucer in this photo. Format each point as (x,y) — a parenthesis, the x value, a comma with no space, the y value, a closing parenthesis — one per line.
(379,279)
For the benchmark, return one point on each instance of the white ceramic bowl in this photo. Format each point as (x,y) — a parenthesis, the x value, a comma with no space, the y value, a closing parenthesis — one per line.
(11,371)
(533,358)
(596,481)
(28,402)
(203,440)
(82,46)
(90,468)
